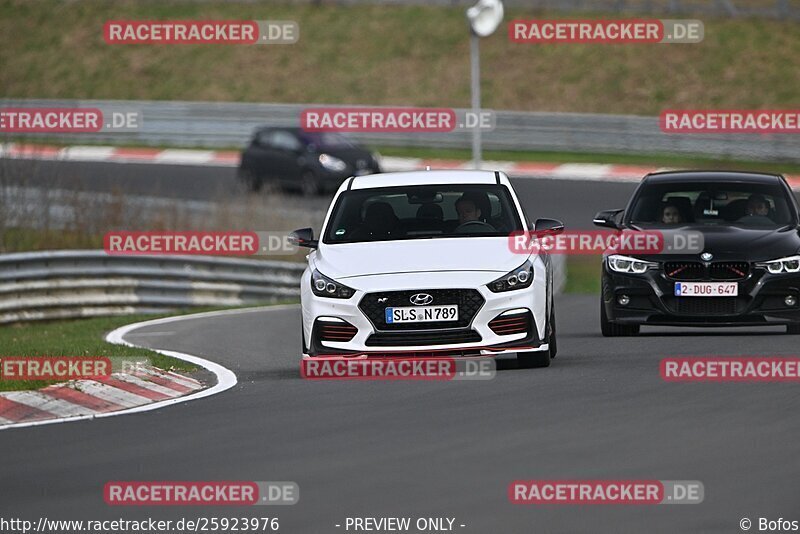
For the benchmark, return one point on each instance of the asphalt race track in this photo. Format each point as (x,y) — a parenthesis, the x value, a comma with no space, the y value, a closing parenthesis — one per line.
(566,200)
(433,449)
(600,411)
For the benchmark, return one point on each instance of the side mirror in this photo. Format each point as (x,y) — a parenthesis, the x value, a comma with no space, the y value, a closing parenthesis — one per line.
(548,226)
(607,219)
(303,238)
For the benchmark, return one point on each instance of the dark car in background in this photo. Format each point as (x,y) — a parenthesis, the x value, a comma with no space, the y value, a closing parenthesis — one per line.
(309,162)
(747,273)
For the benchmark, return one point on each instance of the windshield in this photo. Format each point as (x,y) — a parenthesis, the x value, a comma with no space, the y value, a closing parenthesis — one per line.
(422,212)
(716,204)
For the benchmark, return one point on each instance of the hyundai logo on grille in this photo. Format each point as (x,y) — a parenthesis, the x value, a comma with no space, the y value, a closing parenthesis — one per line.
(421,299)
(706,256)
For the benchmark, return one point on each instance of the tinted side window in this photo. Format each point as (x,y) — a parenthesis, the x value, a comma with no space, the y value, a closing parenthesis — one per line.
(284,141)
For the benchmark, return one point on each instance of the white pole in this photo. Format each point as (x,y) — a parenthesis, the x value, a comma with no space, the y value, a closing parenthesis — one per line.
(475,60)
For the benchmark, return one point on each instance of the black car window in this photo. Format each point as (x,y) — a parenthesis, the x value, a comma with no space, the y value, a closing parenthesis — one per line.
(712,203)
(416,212)
(264,139)
(282,140)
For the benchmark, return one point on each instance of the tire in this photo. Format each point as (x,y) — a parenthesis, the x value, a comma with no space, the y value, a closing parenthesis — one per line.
(309,185)
(552,338)
(793,329)
(533,360)
(537,360)
(250,181)
(610,329)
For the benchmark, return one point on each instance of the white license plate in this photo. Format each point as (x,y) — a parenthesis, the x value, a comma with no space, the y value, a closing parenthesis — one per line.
(706,289)
(417,314)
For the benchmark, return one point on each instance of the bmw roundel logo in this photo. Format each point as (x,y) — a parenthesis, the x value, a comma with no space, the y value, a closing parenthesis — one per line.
(706,256)
(421,299)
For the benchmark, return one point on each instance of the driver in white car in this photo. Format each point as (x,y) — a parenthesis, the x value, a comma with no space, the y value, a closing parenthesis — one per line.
(470,215)
(467,208)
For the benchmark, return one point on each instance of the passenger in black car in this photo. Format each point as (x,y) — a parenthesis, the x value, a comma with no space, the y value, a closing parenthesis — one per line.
(671,214)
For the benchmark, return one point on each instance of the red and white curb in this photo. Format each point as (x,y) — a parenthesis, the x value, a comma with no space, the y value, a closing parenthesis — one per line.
(121,394)
(120,155)
(559,171)
(90,397)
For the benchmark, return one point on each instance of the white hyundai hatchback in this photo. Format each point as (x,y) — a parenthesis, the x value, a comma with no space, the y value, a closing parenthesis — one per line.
(420,264)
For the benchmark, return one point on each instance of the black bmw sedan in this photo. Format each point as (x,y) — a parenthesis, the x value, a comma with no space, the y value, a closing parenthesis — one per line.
(747,272)
(312,163)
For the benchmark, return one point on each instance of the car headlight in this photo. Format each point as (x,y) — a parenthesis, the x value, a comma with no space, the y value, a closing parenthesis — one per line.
(519,278)
(625,264)
(332,163)
(790,264)
(322,286)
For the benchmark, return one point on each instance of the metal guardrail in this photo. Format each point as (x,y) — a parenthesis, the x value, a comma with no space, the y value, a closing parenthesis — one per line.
(221,124)
(90,283)
(780,9)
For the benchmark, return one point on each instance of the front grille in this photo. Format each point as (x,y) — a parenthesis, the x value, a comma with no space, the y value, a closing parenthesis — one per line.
(410,339)
(506,325)
(734,270)
(687,270)
(469,301)
(693,270)
(703,305)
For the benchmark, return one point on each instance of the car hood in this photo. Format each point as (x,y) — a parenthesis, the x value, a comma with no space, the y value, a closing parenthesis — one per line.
(350,260)
(737,243)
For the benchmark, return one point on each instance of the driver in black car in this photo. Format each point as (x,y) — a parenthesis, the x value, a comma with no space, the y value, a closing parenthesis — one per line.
(757,211)
(757,206)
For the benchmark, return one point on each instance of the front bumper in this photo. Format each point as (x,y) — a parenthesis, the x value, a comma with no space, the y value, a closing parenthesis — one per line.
(652,301)
(473,339)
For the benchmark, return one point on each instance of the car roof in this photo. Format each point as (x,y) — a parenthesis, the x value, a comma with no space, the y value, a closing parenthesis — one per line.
(396,179)
(292,129)
(712,176)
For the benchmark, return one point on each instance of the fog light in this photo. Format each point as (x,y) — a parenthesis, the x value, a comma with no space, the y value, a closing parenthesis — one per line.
(790,300)
(623,300)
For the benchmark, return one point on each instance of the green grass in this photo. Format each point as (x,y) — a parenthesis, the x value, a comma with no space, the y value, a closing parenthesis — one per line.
(583,274)
(78,337)
(389,55)
(27,239)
